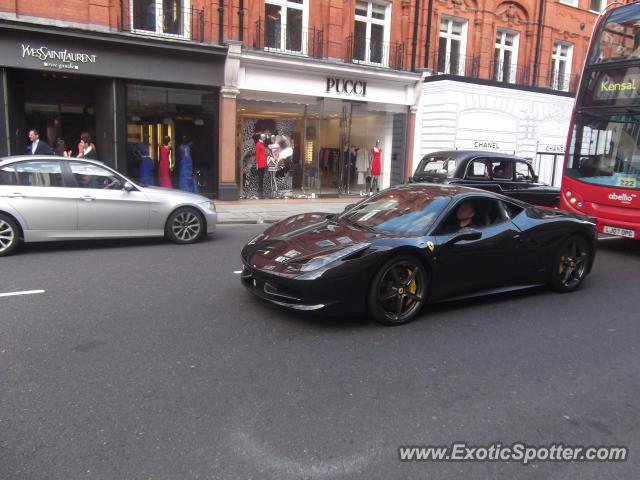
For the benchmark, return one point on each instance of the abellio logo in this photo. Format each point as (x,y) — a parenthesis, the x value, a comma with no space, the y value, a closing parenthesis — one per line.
(622,197)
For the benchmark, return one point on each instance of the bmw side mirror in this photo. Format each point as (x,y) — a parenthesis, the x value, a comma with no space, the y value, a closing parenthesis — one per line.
(466,234)
(128,187)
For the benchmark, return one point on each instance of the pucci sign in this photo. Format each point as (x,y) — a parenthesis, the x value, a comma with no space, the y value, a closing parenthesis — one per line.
(62,59)
(346,87)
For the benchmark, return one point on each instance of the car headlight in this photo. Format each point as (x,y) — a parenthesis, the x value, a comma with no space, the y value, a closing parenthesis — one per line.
(323,260)
(209,205)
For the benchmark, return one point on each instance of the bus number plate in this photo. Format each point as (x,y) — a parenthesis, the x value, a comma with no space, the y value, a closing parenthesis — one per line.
(629,182)
(621,232)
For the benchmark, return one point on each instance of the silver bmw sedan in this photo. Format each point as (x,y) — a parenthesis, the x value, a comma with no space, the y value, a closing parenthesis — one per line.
(46,198)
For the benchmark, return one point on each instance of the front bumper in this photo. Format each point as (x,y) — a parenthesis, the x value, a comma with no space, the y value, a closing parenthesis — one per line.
(212,220)
(335,295)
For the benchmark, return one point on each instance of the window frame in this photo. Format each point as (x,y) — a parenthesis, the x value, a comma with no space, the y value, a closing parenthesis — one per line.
(285,5)
(603,4)
(448,36)
(474,177)
(556,59)
(16,165)
(74,183)
(503,47)
(368,20)
(572,3)
(440,230)
(159,19)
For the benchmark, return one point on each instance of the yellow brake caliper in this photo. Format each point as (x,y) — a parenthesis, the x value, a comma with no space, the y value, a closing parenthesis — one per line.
(412,288)
(561,267)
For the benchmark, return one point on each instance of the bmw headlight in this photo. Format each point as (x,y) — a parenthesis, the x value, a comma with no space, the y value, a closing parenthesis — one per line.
(323,260)
(209,205)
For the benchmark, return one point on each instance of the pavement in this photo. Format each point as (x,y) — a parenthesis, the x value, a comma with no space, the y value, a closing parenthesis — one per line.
(273,210)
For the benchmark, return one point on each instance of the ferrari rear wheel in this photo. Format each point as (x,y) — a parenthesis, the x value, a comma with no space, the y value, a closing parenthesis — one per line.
(398,291)
(571,265)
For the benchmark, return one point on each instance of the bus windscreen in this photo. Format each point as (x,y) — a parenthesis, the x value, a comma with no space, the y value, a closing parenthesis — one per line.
(619,37)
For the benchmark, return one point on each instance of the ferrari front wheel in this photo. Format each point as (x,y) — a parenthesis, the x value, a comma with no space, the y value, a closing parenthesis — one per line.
(398,291)
(571,264)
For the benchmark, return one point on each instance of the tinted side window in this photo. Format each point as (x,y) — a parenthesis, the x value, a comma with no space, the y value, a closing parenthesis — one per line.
(480,212)
(8,176)
(39,174)
(477,170)
(512,209)
(523,172)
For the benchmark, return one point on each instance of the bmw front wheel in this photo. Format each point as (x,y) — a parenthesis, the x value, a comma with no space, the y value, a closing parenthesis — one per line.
(185,225)
(398,291)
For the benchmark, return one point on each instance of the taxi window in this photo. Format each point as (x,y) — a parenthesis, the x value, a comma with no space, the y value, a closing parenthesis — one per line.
(477,170)
(523,172)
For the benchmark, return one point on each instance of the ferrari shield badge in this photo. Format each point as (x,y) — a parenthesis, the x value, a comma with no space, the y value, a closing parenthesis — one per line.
(430,246)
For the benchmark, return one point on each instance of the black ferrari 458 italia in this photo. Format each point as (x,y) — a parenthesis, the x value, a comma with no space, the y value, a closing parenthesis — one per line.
(411,245)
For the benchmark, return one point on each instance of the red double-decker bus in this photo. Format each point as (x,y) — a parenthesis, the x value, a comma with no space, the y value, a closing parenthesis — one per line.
(602,165)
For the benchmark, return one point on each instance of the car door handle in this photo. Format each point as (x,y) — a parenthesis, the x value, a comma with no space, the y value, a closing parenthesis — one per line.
(16,195)
(87,198)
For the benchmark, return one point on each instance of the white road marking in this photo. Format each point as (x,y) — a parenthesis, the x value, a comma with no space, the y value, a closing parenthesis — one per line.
(26,292)
(237,272)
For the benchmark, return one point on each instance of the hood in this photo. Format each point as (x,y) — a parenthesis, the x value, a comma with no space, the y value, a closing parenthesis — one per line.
(287,245)
(178,195)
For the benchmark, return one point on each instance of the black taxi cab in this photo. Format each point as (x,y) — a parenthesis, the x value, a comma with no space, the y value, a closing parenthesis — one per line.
(494,171)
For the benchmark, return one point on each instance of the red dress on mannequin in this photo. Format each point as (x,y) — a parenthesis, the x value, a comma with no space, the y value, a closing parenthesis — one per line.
(165,173)
(375,161)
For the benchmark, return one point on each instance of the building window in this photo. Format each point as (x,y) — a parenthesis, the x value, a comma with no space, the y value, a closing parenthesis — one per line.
(505,59)
(163,17)
(285,25)
(561,65)
(597,5)
(371,32)
(573,3)
(452,46)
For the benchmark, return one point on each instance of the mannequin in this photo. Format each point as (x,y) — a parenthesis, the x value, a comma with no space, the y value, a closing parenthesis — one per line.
(374,162)
(164,164)
(261,162)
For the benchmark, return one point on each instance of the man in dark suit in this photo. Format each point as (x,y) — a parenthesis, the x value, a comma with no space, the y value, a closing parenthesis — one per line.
(37,146)
(87,149)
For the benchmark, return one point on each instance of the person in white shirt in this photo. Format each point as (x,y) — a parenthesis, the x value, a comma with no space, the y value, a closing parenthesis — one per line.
(37,146)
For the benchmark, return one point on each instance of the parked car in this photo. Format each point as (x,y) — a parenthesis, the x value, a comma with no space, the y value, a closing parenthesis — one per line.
(415,244)
(497,172)
(47,198)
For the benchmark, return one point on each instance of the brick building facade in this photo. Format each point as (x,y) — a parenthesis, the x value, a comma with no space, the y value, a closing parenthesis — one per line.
(376,42)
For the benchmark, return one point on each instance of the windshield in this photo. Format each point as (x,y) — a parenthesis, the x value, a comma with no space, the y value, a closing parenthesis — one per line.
(619,36)
(400,211)
(605,150)
(437,166)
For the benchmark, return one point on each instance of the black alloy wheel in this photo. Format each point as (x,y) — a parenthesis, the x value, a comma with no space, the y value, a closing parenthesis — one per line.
(398,291)
(185,225)
(571,265)
(9,235)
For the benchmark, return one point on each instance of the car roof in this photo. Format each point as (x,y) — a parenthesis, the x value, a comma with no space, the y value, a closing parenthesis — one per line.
(22,158)
(469,154)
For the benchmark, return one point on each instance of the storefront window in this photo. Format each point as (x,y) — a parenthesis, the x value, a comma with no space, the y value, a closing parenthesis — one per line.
(188,118)
(327,147)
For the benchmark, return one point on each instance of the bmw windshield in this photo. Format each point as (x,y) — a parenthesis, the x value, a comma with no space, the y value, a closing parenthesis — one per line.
(399,211)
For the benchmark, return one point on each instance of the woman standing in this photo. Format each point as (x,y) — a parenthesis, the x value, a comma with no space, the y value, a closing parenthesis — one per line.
(165,163)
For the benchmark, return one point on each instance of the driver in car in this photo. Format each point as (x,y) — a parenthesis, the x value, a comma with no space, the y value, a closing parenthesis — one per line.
(466,215)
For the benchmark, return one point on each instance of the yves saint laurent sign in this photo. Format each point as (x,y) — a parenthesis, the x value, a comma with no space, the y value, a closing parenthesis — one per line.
(61,59)
(347,87)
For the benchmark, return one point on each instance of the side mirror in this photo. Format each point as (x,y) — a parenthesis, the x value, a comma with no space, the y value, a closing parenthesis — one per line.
(128,187)
(466,234)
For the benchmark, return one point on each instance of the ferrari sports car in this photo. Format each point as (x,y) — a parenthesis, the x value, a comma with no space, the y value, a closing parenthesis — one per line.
(411,245)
